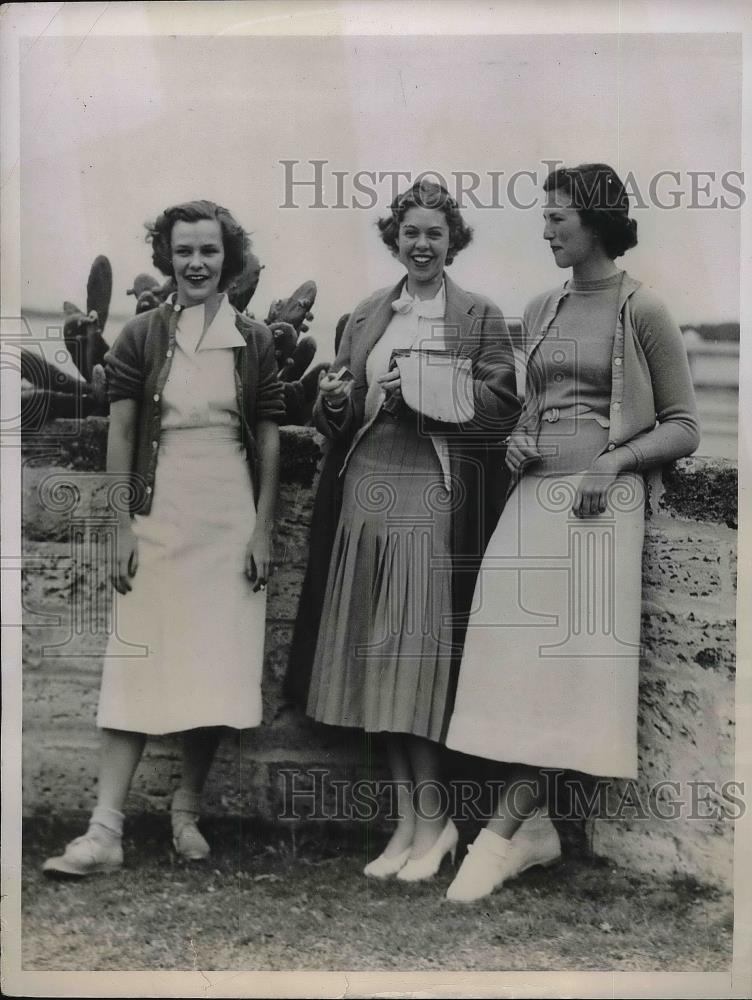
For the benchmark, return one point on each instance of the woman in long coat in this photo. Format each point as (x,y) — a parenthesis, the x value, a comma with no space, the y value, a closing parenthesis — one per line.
(413,493)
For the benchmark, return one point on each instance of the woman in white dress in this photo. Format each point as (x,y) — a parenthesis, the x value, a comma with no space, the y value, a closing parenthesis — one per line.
(193,457)
(549,674)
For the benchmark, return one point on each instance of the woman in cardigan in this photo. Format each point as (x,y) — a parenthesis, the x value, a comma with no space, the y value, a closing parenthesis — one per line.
(550,666)
(194,446)
(383,660)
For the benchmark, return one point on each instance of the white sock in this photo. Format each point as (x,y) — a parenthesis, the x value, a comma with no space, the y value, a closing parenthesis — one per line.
(493,842)
(108,820)
(186,801)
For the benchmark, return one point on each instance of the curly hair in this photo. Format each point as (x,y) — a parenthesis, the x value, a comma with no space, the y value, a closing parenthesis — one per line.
(601,201)
(235,240)
(426,194)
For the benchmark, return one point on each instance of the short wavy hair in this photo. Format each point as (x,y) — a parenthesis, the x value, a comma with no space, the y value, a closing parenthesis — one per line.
(235,240)
(601,201)
(426,194)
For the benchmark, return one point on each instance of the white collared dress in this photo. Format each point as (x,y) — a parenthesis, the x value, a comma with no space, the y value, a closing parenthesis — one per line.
(187,645)
(383,660)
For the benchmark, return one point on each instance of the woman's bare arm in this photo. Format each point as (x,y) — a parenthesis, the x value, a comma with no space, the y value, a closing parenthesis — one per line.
(121,442)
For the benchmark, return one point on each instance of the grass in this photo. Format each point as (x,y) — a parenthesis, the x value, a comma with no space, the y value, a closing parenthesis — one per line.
(276,899)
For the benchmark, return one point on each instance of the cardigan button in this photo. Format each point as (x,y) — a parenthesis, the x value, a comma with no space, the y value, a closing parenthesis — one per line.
(148,489)
(155,445)
(617,361)
(177,307)
(156,397)
(616,406)
(169,353)
(611,446)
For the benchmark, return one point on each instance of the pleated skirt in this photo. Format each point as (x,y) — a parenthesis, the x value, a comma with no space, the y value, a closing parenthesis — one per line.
(187,645)
(383,659)
(549,671)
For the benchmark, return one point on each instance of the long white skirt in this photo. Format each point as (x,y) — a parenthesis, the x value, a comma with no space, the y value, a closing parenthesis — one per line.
(188,640)
(549,673)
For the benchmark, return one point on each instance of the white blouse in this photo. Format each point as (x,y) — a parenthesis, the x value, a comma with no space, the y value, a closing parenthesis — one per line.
(416,323)
(200,389)
(413,325)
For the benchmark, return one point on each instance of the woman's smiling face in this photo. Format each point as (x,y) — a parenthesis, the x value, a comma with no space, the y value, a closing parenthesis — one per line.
(423,244)
(198,254)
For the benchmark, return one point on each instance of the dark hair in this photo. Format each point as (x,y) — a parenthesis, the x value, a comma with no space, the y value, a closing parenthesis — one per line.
(601,201)
(426,194)
(235,240)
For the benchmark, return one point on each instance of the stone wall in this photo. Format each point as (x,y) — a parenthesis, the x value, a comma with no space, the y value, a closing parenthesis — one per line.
(686,687)
(687,672)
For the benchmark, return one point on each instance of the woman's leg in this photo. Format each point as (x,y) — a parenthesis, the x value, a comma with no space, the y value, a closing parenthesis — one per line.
(119,756)
(429,804)
(524,791)
(435,835)
(199,748)
(402,776)
(100,848)
(497,854)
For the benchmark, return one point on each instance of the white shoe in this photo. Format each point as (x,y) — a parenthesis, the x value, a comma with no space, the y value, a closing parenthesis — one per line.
(187,839)
(492,860)
(536,842)
(426,866)
(383,867)
(87,855)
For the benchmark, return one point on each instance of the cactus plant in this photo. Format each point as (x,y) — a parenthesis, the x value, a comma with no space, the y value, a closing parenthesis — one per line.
(287,319)
(53,393)
(149,293)
(241,289)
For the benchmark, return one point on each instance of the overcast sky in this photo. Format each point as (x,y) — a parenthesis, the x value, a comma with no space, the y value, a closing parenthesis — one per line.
(115,129)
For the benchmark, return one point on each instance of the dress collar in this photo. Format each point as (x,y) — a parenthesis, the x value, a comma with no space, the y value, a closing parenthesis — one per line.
(222,332)
(428,308)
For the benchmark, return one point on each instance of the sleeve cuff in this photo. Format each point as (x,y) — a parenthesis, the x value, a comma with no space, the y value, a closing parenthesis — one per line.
(637,455)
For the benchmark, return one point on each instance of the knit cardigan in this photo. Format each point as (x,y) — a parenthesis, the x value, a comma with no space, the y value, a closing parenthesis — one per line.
(653,411)
(137,367)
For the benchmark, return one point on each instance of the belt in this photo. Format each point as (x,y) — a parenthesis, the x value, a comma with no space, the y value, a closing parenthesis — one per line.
(556,413)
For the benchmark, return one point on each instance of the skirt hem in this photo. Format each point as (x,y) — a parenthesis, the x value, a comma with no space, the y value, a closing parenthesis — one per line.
(402,730)
(531,759)
(150,731)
